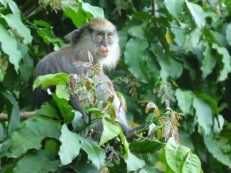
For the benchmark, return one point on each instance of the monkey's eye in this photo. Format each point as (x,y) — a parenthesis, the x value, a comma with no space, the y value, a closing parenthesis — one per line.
(98,36)
(109,36)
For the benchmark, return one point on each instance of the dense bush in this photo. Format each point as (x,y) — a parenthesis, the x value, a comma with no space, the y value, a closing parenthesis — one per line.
(175,58)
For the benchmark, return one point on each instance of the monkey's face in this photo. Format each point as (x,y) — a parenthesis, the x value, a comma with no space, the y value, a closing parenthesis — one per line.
(103,41)
(99,37)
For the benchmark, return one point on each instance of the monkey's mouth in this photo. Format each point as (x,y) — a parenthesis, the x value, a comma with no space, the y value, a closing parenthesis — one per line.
(104,53)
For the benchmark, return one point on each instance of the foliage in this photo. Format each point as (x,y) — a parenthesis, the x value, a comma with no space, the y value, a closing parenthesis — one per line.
(175,54)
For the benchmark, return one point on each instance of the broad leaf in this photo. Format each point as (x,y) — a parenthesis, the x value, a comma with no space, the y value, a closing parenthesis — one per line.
(192,164)
(64,108)
(94,152)
(208,62)
(144,146)
(26,67)
(14,8)
(48,110)
(218,123)
(70,147)
(135,57)
(197,13)
(9,46)
(175,69)
(228,34)
(133,162)
(12,110)
(204,114)
(192,40)
(62,91)
(50,80)
(175,7)
(78,122)
(110,131)
(15,22)
(225,60)
(217,153)
(92,10)
(76,15)
(31,133)
(37,162)
(185,100)
(175,155)
(137,31)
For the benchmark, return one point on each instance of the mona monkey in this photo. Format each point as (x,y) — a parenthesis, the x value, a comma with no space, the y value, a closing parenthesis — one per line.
(99,37)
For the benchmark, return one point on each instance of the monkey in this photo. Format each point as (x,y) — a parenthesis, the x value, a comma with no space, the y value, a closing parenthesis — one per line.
(99,37)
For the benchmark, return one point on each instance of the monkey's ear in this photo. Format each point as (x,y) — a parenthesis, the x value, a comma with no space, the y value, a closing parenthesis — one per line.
(73,36)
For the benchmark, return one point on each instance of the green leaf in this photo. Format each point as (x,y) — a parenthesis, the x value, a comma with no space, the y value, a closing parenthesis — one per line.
(228,34)
(133,162)
(4,2)
(14,8)
(77,15)
(37,162)
(197,13)
(226,62)
(192,40)
(192,164)
(136,31)
(70,147)
(144,146)
(92,10)
(9,46)
(211,101)
(78,122)
(94,152)
(136,58)
(217,153)
(15,22)
(2,132)
(175,69)
(184,100)
(4,147)
(48,111)
(64,108)
(218,123)
(26,67)
(179,36)
(204,114)
(52,145)
(31,133)
(46,33)
(62,91)
(175,155)
(12,110)
(50,80)
(110,131)
(175,7)
(208,62)
(124,141)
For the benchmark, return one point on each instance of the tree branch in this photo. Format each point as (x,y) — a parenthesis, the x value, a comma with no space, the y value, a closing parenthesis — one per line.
(23,115)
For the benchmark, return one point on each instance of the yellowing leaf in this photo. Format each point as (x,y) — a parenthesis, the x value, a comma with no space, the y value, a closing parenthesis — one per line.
(112,113)
(168,37)
(133,124)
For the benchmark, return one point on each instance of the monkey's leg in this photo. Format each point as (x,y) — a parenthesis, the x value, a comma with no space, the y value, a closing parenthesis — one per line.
(128,130)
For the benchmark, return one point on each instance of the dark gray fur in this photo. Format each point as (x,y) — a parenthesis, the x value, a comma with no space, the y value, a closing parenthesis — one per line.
(63,61)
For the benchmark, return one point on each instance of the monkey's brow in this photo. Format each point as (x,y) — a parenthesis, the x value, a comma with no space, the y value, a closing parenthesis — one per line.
(102,31)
